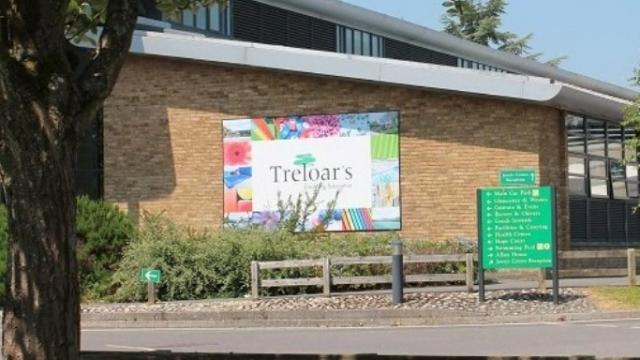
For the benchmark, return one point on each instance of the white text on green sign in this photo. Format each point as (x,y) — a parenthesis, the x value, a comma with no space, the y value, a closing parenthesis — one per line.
(517,177)
(516,227)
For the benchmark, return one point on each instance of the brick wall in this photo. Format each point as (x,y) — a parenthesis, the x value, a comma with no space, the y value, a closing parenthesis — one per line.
(163,141)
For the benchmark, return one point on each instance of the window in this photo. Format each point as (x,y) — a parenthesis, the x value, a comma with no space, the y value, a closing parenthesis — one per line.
(603,183)
(596,166)
(352,41)
(214,18)
(464,63)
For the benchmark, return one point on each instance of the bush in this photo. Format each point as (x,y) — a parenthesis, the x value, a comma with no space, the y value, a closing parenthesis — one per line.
(103,232)
(200,265)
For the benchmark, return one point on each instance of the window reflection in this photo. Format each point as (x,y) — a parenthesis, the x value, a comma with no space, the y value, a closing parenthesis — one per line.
(596,140)
(576,165)
(597,168)
(614,139)
(599,188)
(575,133)
(577,185)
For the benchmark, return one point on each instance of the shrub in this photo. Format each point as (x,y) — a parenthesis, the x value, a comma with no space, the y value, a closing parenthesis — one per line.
(199,265)
(103,232)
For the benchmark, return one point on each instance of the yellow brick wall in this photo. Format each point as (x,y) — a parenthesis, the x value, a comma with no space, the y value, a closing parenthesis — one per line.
(163,140)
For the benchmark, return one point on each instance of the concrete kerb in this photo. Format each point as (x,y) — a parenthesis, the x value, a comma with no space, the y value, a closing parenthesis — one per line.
(334,318)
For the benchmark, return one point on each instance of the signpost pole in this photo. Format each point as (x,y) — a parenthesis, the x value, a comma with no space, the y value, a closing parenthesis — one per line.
(151,293)
(397,272)
(480,261)
(555,275)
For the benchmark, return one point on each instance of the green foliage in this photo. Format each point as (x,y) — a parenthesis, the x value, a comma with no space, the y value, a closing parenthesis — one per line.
(103,232)
(197,265)
(632,120)
(479,21)
(84,16)
(200,265)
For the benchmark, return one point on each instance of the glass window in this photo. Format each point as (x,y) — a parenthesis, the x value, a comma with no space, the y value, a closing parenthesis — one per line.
(599,188)
(575,133)
(375,46)
(214,18)
(597,168)
(632,188)
(632,172)
(597,136)
(357,42)
(187,18)
(619,190)
(614,141)
(349,41)
(366,44)
(577,185)
(201,19)
(576,165)
(616,170)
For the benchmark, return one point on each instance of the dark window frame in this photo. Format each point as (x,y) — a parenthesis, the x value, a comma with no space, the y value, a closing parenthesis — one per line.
(346,33)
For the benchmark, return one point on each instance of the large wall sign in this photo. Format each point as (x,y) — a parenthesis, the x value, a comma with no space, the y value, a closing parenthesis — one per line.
(352,159)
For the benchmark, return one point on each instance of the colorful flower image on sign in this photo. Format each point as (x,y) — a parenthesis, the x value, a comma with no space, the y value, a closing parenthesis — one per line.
(350,160)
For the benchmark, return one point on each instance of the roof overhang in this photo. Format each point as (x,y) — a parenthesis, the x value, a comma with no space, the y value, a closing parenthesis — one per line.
(384,71)
(355,16)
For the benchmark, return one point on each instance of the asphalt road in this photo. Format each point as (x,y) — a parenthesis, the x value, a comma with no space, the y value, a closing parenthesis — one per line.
(599,338)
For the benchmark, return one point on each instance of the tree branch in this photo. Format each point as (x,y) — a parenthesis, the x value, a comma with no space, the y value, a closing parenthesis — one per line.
(99,77)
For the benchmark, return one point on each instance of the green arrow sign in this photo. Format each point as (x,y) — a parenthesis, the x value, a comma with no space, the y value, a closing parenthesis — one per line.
(149,275)
(516,227)
(517,177)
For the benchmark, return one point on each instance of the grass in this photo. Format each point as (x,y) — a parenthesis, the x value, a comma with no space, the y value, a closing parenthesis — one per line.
(616,297)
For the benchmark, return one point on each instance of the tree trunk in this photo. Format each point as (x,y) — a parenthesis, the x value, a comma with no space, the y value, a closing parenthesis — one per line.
(42,311)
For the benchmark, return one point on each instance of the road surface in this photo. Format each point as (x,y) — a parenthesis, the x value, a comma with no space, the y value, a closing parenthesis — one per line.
(599,338)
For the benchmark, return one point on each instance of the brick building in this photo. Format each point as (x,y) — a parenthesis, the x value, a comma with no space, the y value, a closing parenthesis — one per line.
(465,111)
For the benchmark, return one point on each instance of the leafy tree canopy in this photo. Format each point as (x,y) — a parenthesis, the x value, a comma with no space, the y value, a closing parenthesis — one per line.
(632,116)
(479,21)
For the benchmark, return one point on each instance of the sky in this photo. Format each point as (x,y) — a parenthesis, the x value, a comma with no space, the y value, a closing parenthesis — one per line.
(601,38)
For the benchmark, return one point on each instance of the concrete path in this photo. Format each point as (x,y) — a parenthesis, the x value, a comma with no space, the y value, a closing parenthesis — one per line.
(600,338)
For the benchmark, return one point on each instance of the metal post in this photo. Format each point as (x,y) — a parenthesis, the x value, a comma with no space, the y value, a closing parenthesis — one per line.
(397,272)
(481,296)
(151,293)
(556,265)
(631,266)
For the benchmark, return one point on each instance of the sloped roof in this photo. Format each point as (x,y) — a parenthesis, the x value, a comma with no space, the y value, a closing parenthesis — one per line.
(385,25)
(524,88)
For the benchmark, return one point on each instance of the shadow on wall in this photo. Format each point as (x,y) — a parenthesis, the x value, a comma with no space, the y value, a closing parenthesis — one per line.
(163,133)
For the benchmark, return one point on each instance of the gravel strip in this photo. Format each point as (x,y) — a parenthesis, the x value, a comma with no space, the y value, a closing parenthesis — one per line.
(499,303)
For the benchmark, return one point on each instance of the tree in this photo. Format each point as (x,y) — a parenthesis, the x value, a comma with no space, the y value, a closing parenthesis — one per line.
(50,89)
(479,22)
(632,120)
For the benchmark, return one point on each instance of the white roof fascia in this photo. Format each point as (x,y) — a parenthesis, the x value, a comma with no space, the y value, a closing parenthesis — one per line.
(378,70)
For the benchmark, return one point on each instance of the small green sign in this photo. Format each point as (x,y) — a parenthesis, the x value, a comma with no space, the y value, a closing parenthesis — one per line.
(516,227)
(517,177)
(149,275)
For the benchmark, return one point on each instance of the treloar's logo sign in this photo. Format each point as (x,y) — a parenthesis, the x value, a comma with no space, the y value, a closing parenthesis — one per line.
(305,171)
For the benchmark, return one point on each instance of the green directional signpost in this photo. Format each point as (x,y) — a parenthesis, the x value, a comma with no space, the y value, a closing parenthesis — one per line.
(151,277)
(517,230)
(517,177)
